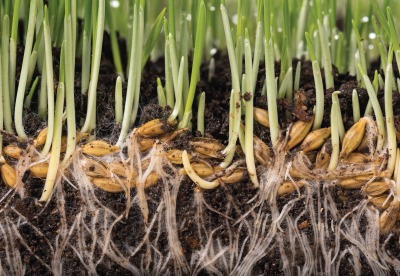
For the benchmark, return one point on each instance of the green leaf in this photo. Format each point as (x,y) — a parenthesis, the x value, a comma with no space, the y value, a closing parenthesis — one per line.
(310,48)
(153,37)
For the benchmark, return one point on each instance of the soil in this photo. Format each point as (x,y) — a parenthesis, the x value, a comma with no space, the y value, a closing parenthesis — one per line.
(231,200)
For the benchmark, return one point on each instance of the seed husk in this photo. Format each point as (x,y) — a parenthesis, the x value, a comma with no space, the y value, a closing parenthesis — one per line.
(151,180)
(207,146)
(380,200)
(351,183)
(145,143)
(298,132)
(8,173)
(315,139)
(398,136)
(170,136)
(155,127)
(262,153)
(353,138)
(200,168)
(234,177)
(312,156)
(13,151)
(377,188)
(324,155)
(79,137)
(389,216)
(295,173)
(261,116)
(99,148)
(120,169)
(288,187)
(357,158)
(175,156)
(94,168)
(40,170)
(108,185)
(41,138)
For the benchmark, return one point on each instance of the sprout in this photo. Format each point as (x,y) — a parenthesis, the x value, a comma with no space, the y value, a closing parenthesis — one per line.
(356,106)
(55,151)
(200,113)
(334,136)
(118,100)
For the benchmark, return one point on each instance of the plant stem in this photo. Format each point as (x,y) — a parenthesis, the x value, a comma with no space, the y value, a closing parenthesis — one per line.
(377,109)
(257,52)
(235,82)
(368,109)
(91,110)
(4,76)
(200,35)
(251,167)
(356,106)
(200,113)
(50,84)
(335,138)
(229,157)
(340,125)
(42,109)
(169,83)
(86,47)
(285,82)
(114,42)
(24,72)
(130,93)
(178,90)
(326,56)
(55,151)
(162,101)
(391,131)
(118,100)
(301,23)
(297,76)
(28,99)
(339,53)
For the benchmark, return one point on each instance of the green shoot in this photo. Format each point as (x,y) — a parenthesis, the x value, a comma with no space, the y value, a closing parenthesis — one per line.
(153,37)
(251,167)
(377,109)
(24,72)
(34,56)
(326,55)
(91,110)
(257,52)
(285,82)
(50,83)
(356,106)
(175,69)
(368,109)
(86,47)
(361,52)
(200,113)
(178,92)
(339,53)
(381,16)
(211,70)
(270,74)
(391,131)
(185,51)
(340,124)
(130,93)
(171,4)
(118,100)
(55,151)
(301,27)
(335,138)
(114,42)
(235,82)
(5,39)
(229,157)
(42,109)
(198,51)
(28,99)
(297,76)
(169,83)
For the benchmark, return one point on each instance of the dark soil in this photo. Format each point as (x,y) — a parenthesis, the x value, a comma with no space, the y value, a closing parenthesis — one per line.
(230,200)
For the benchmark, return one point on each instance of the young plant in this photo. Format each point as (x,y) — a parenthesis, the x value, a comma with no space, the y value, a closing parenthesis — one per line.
(391,131)
(200,113)
(319,88)
(133,68)
(56,148)
(50,83)
(86,47)
(356,106)
(200,35)
(4,75)
(335,137)
(251,167)
(24,72)
(270,74)
(377,109)
(118,100)
(28,99)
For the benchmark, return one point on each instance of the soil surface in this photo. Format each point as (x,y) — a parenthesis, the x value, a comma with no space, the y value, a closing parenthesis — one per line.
(230,200)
